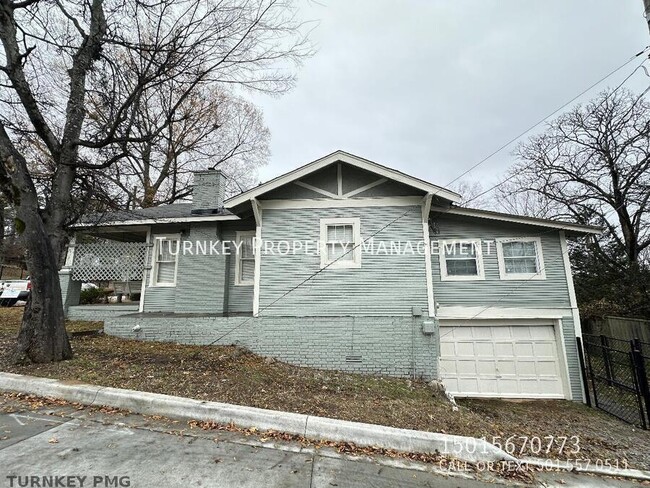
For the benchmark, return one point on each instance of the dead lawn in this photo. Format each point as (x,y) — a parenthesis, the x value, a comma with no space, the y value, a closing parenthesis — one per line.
(232,375)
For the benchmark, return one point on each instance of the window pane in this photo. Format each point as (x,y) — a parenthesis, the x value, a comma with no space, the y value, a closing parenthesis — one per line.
(521,265)
(340,233)
(167,250)
(519,249)
(166,272)
(460,250)
(336,251)
(247,247)
(247,270)
(462,267)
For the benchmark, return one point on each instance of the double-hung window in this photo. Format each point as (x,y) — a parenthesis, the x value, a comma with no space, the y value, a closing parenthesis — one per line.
(245,258)
(340,243)
(521,258)
(461,260)
(165,262)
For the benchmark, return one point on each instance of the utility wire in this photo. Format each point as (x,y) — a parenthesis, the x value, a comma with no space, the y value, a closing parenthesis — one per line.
(479,163)
(503,297)
(611,73)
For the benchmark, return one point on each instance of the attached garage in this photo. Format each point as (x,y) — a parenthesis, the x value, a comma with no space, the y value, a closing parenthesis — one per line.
(507,359)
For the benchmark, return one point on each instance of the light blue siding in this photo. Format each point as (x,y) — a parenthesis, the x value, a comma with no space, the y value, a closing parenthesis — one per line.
(388,285)
(240,298)
(552,292)
(573,365)
(160,299)
(200,283)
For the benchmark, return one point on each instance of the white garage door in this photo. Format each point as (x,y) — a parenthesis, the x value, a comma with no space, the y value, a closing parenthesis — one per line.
(509,361)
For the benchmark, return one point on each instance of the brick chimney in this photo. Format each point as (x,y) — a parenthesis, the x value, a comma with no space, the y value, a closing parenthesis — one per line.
(208,191)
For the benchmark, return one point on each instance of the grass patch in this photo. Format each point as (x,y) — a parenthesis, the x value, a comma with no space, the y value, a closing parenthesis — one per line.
(233,375)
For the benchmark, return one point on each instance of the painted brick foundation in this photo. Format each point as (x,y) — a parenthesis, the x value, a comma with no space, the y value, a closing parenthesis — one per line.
(393,346)
(100,312)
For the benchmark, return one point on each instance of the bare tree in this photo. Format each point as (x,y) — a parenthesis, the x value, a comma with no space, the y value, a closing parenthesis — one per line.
(212,127)
(69,87)
(592,165)
(510,199)
(472,193)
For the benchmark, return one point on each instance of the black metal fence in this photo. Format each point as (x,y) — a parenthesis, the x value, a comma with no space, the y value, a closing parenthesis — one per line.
(616,376)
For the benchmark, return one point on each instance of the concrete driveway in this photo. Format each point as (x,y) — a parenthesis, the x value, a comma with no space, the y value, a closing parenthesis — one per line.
(84,448)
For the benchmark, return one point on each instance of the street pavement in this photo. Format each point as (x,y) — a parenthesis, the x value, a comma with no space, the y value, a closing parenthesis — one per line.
(89,448)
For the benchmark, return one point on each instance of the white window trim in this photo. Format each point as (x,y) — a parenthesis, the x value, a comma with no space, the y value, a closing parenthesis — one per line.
(443,261)
(157,239)
(355,222)
(239,235)
(540,275)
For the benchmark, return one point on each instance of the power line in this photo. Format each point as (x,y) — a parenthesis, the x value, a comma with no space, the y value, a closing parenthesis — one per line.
(503,297)
(479,163)
(553,113)
(312,276)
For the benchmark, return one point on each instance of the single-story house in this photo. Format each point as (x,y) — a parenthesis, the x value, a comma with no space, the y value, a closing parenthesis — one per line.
(346,264)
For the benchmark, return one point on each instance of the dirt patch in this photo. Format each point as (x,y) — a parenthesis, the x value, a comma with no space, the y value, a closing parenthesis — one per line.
(232,375)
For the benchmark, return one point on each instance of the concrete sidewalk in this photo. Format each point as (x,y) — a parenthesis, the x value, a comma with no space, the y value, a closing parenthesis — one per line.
(114,450)
(460,449)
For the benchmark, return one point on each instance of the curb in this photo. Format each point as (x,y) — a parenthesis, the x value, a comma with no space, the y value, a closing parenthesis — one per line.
(463,448)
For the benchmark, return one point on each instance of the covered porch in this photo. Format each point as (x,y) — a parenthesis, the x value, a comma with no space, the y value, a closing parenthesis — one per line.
(104,272)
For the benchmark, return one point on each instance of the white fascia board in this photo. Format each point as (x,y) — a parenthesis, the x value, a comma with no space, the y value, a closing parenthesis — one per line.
(501,313)
(345,203)
(518,219)
(353,161)
(169,220)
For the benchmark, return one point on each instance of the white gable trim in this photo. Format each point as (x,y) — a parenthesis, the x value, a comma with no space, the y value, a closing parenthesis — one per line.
(315,189)
(349,159)
(257,211)
(361,189)
(519,219)
(426,208)
(338,203)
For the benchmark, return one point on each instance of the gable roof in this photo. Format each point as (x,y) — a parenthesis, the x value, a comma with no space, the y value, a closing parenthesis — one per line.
(352,160)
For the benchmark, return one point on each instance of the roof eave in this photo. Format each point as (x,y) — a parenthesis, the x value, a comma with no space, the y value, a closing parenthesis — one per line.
(165,220)
(575,229)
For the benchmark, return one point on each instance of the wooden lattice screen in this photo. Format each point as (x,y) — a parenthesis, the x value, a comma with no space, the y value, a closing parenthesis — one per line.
(119,261)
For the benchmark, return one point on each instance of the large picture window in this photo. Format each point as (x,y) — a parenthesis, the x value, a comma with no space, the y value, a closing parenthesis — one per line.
(165,263)
(521,258)
(245,260)
(461,260)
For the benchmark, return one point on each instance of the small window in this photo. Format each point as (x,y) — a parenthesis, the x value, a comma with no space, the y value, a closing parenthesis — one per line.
(461,260)
(521,259)
(340,243)
(245,258)
(165,260)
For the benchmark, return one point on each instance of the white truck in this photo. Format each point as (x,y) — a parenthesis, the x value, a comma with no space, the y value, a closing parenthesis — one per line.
(11,291)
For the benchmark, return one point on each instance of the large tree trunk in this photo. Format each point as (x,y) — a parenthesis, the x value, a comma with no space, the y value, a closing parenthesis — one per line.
(42,336)
(2,230)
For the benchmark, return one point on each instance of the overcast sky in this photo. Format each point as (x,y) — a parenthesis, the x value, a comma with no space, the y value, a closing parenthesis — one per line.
(431,87)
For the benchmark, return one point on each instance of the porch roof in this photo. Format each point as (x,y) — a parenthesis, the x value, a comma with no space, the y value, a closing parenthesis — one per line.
(164,214)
